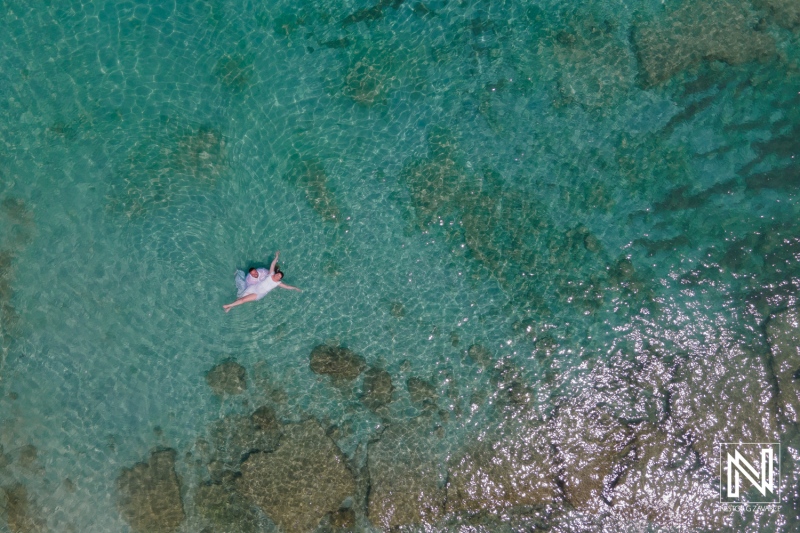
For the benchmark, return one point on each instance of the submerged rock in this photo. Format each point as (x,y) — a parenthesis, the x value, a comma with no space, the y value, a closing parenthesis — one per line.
(18,223)
(633,445)
(712,30)
(588,444)
(336,362)
(264,419)
(783,331)
(225,508)
(5,460)
(481,356)
(398,310)
(9,317)
(236,436)
(785,13)
(300,482)
(376,67)
(675,409)
(724,396)
(378,388)
(665,487)
(27,455)
(513,388)
(421,391)
(150,494)
(512,468)
(19,512)
(344,518)
(227,378)
(406,484)
(200,153)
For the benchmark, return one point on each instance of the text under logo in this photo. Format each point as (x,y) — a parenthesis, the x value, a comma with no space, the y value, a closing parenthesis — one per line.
(750,468)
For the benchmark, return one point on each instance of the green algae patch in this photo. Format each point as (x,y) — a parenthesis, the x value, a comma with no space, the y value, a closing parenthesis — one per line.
(300,482)
(235,71)
(649,166)
(505,230)
(149,495)
(17,229)
(308,175)
(596,69)
(168,165)
(376,68)
(719,30)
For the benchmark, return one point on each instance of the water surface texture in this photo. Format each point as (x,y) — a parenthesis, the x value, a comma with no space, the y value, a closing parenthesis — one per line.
(550,255)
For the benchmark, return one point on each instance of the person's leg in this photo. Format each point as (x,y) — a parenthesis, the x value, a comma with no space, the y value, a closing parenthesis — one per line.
(240,301)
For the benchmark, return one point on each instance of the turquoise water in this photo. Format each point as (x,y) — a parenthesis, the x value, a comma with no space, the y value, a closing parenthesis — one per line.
(603,197)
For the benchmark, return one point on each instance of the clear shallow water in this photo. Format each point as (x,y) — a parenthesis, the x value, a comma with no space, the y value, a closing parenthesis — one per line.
(615,224)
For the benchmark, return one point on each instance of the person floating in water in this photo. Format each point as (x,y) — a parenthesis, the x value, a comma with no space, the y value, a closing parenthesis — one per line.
(257,283)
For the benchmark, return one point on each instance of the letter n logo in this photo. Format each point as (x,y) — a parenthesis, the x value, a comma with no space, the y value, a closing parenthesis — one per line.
(752,468)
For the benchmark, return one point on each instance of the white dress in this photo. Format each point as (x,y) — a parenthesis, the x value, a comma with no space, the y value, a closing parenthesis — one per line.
(260,288)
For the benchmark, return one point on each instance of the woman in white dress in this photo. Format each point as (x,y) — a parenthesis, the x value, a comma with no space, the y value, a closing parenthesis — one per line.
(257,284)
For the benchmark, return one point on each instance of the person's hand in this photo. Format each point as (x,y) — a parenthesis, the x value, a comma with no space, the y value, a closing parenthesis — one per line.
(277,254)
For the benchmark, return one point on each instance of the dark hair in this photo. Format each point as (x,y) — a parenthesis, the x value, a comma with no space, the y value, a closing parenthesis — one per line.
(278,271)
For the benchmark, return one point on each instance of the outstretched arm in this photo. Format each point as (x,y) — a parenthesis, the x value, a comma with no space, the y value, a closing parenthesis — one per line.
(285,286)
(274,262)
